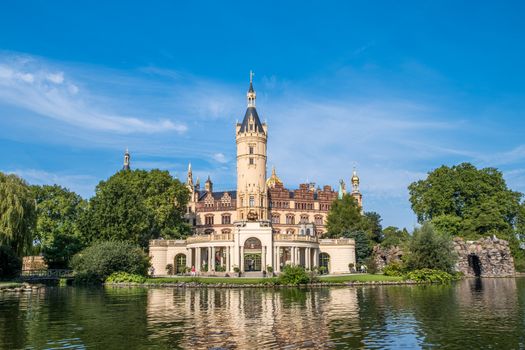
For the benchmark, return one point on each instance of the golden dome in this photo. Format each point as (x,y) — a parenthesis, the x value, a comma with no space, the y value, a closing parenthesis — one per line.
(355,178)
(273,180)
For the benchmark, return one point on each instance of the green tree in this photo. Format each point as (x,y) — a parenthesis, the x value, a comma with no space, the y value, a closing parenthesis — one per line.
(466,200)
(363,245)
(371,224)
(17,214)
(393,236)
(429,249)
(137,206)
(344,217)
(57,229)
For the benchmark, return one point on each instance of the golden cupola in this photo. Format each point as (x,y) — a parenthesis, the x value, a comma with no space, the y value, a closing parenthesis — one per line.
(273,180)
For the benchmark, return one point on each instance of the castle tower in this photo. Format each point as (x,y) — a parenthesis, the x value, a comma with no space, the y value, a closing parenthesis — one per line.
(251,136)
(189,179)
(355,189)
(208,185)
(126,161)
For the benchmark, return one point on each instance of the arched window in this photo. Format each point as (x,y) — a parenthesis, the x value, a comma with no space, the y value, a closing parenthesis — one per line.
(324,260)
(180,263)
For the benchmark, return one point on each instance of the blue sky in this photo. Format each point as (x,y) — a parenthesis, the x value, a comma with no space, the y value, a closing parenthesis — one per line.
(396,89)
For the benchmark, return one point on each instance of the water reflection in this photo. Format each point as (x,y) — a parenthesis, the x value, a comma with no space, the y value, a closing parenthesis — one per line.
(243,318)
(487,313)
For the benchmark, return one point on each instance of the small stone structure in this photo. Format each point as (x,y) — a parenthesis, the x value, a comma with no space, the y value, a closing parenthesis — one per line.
(384,256)
(486,257)
(35,262)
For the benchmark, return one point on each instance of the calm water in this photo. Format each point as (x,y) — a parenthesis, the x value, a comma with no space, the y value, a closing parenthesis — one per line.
(468,315)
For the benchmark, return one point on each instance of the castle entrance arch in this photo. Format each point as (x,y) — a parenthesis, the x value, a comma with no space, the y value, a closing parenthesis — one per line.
(252,254)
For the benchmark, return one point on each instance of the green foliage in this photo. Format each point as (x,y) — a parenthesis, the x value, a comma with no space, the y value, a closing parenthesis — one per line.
(392,236)
(294,275)
(95,263)
(429,249)
(464,200)
(137,206)
(17,214)
(58,213)
(363,245)
(395,268)
(371,266)
(371,224)
(431,276)
(345,220)
(10,263)
(125,277)
(322,270)
(169,269)
(269,269)
(344,216)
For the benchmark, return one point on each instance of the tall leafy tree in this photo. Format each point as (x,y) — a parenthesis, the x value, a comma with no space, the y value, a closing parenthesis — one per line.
(344,217)
(371,224)
(137,206)
(465,200)
(17,214)
(57,226)
(429,249)
(363,246)
(393,236)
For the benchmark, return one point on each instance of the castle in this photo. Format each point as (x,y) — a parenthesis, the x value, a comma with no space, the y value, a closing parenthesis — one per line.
(261,225)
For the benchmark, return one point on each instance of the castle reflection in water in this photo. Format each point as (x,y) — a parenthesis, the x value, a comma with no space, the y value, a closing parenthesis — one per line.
(244,318)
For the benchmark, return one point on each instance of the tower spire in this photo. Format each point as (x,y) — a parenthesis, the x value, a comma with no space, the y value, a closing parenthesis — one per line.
(251,95)
(189,179)
(126,160)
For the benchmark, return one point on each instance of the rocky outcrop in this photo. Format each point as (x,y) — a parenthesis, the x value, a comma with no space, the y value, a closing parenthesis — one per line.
(384,256)
(486,257)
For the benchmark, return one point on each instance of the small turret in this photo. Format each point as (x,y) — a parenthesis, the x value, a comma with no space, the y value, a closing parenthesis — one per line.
(189,179)
(355,189)
(208,186)
(126,161)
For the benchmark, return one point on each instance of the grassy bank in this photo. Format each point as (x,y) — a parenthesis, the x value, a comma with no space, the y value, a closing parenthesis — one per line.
(270,280)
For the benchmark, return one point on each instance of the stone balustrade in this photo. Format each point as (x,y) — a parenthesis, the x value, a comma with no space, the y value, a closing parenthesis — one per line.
(294,238)
(221,237)
(336,241)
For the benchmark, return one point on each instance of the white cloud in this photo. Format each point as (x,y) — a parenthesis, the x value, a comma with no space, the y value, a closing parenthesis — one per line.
(219,157)
(29,84)
(80,183)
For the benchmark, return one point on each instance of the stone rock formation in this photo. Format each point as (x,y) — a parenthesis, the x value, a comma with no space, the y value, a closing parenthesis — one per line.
(385,255)
(486,257)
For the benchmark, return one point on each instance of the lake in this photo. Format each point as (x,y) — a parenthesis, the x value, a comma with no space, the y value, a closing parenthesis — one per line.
(470,314)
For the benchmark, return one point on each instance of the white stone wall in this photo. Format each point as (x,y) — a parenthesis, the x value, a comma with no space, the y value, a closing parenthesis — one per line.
(340,257)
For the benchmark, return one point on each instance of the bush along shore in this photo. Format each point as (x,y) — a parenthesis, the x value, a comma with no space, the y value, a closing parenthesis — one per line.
(293,277)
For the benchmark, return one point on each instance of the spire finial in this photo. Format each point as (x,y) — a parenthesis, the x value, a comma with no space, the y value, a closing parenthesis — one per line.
(251,92)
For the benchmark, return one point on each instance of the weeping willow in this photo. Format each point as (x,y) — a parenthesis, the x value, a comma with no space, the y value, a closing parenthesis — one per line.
(17,214)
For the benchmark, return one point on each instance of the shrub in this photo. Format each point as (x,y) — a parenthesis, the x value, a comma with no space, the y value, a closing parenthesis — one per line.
(431,250)
(124,277)
(294,275)
(371,266)
(269,269)
(351,267)
(395,268)
(10,263)
(169,269)
(431,276)
(95,263)
(323,270)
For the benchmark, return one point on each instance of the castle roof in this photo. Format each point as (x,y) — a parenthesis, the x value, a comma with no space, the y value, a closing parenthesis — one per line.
(251,112)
